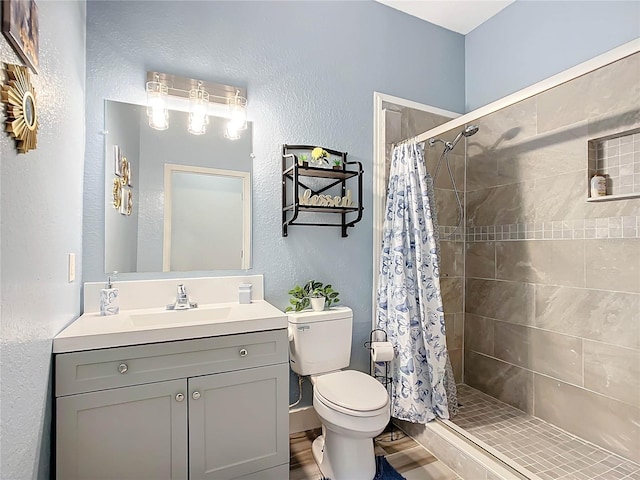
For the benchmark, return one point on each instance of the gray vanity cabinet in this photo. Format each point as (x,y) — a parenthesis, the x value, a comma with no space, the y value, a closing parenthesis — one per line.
(211,408)
(233,423)
(129,433)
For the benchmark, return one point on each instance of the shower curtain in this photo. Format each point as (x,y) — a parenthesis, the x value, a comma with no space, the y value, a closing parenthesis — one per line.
(409,301)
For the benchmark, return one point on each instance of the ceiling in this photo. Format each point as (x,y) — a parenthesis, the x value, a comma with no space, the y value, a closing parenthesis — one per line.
(461,16)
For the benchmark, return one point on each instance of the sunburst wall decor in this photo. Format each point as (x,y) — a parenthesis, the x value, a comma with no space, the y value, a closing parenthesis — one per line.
(22,111)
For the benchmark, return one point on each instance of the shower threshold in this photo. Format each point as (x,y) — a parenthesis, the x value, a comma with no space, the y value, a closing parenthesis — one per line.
(531,446)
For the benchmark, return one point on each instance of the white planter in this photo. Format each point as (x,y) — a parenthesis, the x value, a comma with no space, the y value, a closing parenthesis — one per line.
(317,304)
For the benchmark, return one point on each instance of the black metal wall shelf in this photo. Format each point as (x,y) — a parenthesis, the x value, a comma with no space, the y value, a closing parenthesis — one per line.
(292,173)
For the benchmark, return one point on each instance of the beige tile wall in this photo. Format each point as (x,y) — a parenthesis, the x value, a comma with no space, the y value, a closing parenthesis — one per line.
(552,323)
(451,246)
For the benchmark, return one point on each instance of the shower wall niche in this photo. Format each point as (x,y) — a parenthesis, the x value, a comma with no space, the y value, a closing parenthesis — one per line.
(617,158)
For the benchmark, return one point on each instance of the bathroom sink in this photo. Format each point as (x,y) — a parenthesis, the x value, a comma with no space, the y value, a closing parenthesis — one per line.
(142,321)
(176,317)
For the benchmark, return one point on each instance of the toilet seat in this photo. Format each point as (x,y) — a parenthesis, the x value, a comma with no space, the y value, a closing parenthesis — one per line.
(352,392)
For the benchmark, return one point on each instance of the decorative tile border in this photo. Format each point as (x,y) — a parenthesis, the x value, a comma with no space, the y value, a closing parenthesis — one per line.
(607,227)
(449,233)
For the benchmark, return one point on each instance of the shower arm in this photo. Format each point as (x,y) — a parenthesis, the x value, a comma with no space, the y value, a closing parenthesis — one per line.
(433,141)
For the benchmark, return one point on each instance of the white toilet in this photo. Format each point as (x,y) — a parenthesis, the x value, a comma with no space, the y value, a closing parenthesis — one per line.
(353,406)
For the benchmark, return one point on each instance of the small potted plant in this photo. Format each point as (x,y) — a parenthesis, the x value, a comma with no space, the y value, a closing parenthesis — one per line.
(303,160)
(314,294)
(337,164)
(317,300)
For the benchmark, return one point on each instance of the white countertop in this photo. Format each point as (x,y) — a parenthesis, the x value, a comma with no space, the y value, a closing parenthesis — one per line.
(92,331)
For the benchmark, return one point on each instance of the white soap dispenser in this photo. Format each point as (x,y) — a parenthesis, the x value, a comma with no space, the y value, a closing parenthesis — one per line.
(109,301)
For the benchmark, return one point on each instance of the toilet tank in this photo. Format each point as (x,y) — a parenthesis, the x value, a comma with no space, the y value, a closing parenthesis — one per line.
(320,342)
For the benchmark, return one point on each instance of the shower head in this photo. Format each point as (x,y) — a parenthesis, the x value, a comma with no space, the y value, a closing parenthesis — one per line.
(467,132)
(470,130)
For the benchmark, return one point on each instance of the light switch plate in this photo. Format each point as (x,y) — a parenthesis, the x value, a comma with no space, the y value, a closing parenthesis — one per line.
(72,267)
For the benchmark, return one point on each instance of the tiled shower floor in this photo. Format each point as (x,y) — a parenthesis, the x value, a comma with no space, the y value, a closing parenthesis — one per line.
(541,448)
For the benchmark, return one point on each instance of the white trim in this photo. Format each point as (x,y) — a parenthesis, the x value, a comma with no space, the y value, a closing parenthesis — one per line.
(379,184)
(570,74)
(378,191)
(303,419)
(403,102)
(246,209)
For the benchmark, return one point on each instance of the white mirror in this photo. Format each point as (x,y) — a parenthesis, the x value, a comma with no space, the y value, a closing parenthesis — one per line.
(184,201)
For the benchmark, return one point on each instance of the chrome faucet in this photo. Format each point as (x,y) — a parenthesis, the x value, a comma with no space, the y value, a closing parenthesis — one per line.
(182,300)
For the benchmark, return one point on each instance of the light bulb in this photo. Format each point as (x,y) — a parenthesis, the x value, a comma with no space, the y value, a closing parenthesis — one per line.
(232,132)
(198,119)
(197,123)
(156,105)
(159,118)
(237,111)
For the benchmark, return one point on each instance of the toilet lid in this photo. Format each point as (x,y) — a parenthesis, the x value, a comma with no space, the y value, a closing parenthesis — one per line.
(352,390)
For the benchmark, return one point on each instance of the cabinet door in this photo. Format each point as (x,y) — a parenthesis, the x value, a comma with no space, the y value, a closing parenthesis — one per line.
(124,433)
(238,422)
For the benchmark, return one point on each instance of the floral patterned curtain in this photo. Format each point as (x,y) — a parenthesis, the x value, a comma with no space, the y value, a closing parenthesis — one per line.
(409,301)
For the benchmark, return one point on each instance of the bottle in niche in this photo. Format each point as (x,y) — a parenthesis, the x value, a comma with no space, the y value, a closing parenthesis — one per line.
(598,186)
(109,302)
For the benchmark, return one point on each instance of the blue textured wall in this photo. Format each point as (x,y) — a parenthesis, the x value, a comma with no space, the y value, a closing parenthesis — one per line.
(310,69)
(532,40)
(41,210)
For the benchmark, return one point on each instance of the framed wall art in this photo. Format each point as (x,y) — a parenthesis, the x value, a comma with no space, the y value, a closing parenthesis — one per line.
(20,27)
(21,105)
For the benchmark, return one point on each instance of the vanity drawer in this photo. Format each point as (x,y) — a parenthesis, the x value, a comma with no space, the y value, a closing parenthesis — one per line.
(92,370)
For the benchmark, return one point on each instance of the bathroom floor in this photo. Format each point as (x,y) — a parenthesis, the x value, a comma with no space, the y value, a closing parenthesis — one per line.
(410,459)
(547,451)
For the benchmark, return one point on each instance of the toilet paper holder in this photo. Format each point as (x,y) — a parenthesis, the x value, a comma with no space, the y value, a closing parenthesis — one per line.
(385,380)
(367,345)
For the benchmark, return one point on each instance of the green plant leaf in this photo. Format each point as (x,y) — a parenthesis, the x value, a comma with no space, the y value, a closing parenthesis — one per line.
(301,294)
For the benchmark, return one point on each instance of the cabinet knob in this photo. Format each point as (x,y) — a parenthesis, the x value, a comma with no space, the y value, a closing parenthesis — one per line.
(122,368)
(243,352)
(196,395)
(179,397)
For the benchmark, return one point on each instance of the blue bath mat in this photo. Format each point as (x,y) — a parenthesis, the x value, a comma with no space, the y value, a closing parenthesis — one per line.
(384,471)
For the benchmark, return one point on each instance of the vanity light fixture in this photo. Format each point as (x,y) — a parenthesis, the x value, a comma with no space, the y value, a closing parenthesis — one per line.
(157,111)
(198,103)
(201,95)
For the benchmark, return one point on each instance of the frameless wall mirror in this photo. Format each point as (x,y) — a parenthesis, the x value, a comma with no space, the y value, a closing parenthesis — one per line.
(183,200)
